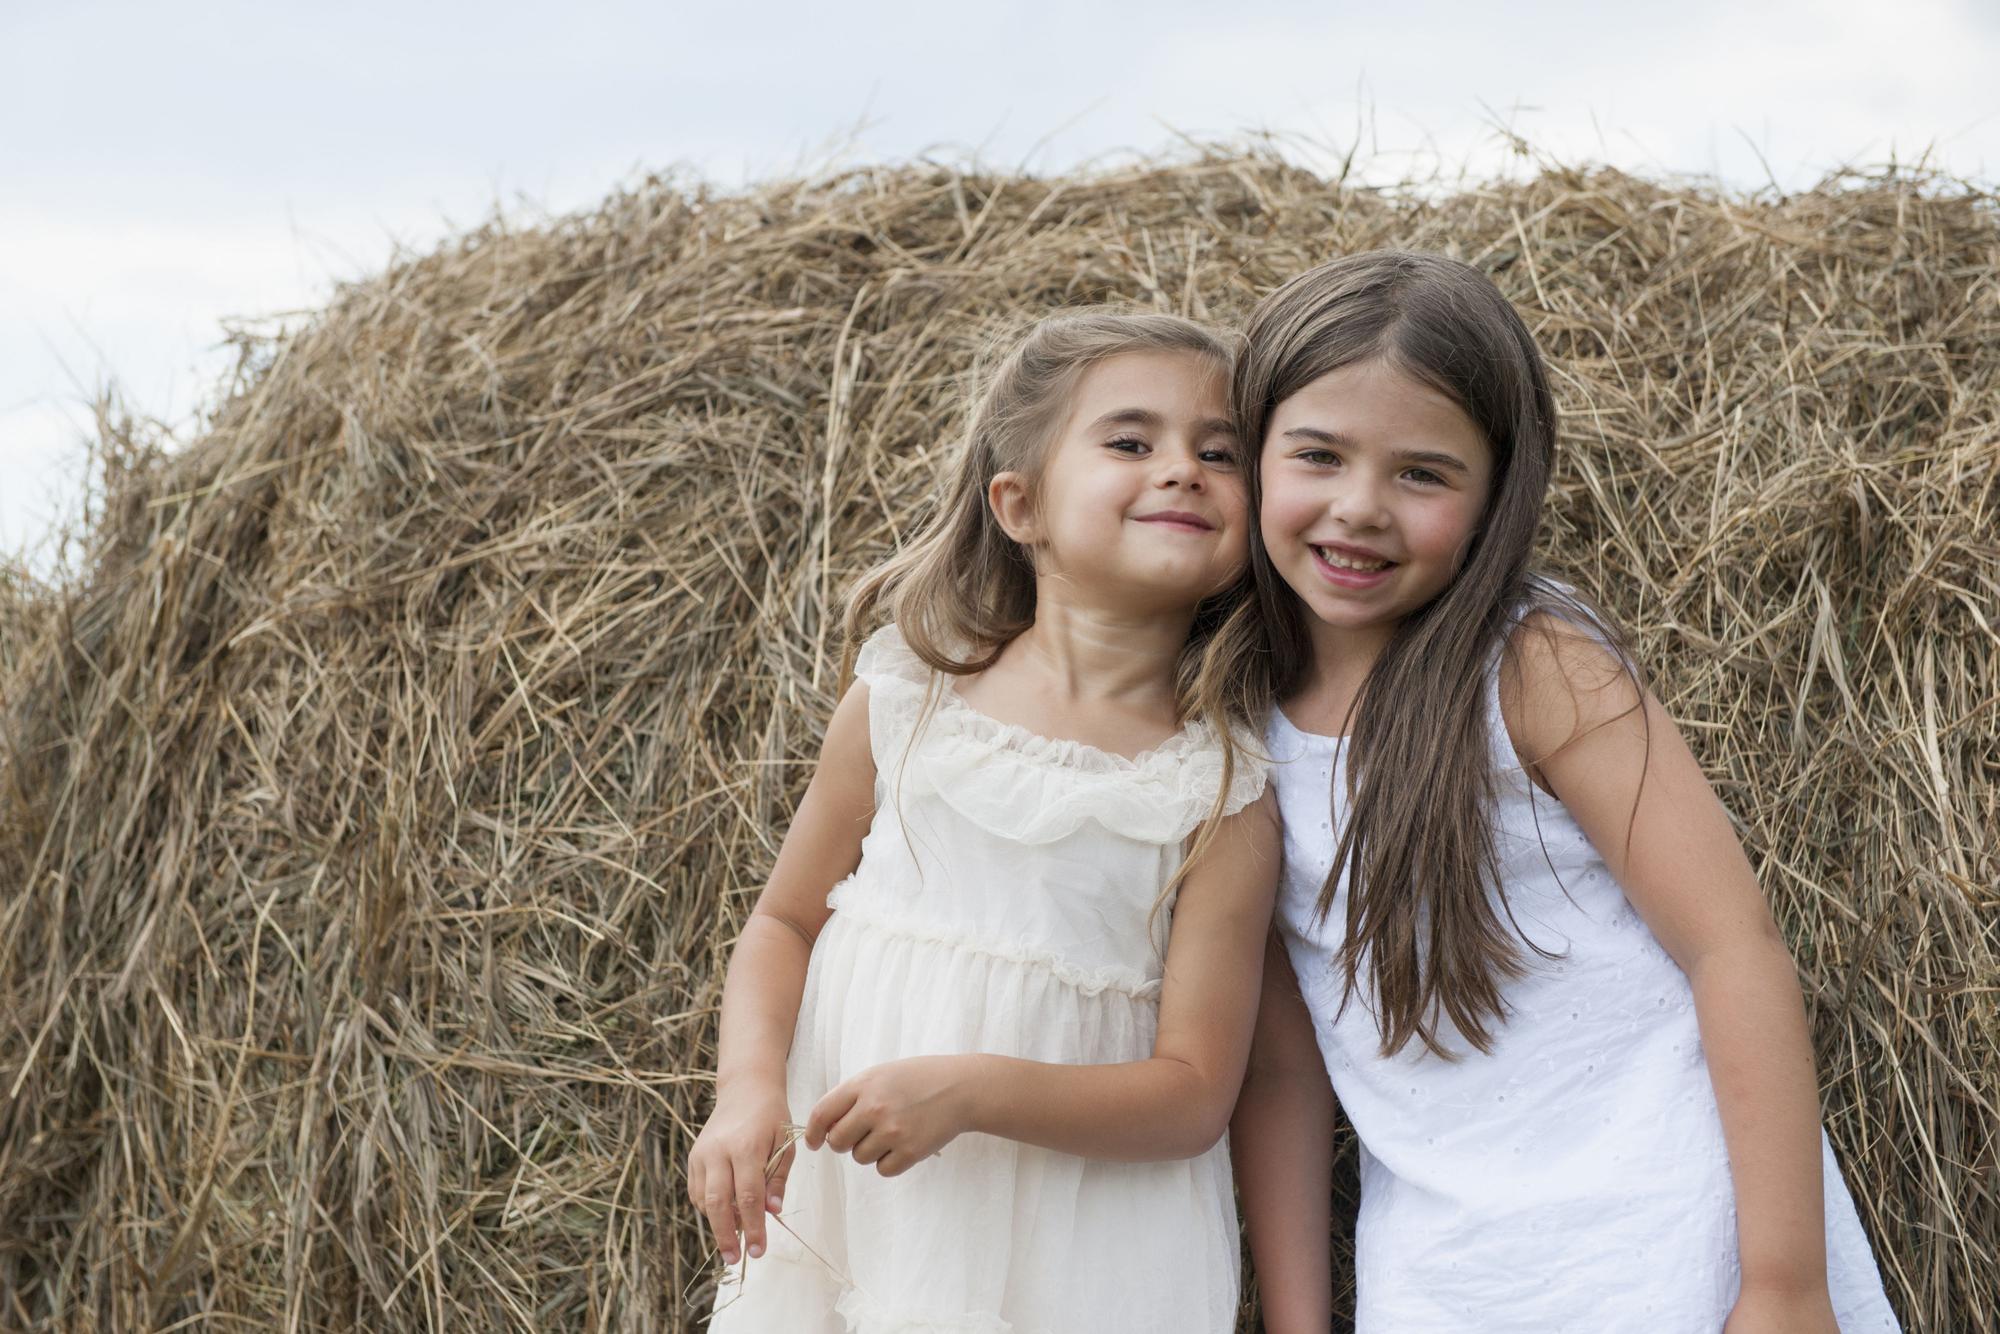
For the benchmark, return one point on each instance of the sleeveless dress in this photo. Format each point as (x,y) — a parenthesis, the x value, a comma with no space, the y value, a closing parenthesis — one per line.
(1573,1179)
(1003,903)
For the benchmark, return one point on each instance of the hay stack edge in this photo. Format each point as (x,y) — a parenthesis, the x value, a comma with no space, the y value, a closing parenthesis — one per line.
(379,802)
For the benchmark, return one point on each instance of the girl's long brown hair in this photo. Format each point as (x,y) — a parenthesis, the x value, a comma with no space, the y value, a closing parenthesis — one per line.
(963,589)
(1417,846)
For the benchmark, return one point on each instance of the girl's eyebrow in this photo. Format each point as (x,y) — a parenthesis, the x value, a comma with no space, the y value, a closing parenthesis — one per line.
(1127,417)
(1314,433)
(1147,417)
(1431,459)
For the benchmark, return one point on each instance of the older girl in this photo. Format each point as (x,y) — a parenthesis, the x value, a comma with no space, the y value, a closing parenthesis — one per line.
(1520,938)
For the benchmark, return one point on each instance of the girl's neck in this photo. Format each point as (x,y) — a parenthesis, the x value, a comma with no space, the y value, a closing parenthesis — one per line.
(1087,652)
(1342,657)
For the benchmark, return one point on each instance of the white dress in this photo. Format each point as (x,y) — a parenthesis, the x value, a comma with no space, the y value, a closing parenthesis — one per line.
(1573,1179)
(1004,903)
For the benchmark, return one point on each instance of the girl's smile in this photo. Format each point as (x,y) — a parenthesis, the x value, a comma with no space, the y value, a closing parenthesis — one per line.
(1179,520)
(1351,566)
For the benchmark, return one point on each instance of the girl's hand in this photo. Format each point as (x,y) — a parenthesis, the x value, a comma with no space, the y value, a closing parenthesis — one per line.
(727,1167)
(896,1114)
(1765,1310)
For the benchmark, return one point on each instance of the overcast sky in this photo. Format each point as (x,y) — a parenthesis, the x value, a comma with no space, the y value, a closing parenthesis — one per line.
(167,166)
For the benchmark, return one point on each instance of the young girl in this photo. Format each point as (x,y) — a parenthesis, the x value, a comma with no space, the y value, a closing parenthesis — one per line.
(989,999)
(1516,923)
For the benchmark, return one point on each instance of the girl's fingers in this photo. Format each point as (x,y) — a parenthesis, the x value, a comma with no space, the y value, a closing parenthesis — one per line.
(749,1200)
(774,1183)
(836,1121)
(696,1173)
(869,1148)
(847,1132)
(826,1113)
(718,1203)
(894,1164)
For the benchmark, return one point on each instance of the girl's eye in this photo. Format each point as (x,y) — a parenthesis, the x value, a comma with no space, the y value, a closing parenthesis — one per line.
(1225,457)
(1423,476)
(1319,458)
(1125,444)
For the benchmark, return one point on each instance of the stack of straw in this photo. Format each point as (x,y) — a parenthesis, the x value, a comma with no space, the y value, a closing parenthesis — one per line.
(378,807)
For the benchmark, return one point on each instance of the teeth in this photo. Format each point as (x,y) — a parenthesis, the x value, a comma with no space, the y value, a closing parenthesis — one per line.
(1337,560)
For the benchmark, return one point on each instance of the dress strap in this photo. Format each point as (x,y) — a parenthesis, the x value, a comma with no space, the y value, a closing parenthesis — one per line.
(886,659)
(899,683)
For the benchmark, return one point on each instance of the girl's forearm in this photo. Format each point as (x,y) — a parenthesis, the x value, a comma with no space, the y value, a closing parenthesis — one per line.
(1281,1139)
(1129,1111)
(1759,1051)
(760,1002)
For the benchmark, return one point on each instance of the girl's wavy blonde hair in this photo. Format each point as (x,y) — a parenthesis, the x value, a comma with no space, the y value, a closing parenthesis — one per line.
(963,589)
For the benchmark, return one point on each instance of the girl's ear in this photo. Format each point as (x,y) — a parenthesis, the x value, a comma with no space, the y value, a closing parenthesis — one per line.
(1013,508)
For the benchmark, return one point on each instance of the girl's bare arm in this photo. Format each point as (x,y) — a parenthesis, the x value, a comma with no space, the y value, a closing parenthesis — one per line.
(767,973)
(1281,1138)
(1610,753)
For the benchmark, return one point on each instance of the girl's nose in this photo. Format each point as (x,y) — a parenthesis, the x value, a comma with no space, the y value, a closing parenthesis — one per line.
(1358,505)
(1181,472)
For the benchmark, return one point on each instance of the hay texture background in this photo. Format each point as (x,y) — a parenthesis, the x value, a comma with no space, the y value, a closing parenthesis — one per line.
(378,807)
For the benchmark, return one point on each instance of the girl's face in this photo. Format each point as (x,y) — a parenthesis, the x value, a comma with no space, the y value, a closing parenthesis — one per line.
(1141,500)
(1373,486)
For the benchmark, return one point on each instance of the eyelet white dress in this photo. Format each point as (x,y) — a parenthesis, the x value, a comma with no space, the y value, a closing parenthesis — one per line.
(1573,1179)
(1004,903)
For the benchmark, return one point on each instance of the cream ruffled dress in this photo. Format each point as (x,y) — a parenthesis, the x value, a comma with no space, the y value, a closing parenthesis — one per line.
(1003,903)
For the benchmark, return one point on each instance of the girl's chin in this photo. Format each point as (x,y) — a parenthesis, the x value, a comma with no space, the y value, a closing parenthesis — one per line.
(1197,580)
(1350,612)
(1156,591)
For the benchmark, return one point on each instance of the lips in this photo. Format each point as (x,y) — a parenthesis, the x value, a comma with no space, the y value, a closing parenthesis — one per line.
(1181,519)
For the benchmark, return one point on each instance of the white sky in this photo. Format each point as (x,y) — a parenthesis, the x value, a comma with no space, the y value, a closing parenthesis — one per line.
(165,166)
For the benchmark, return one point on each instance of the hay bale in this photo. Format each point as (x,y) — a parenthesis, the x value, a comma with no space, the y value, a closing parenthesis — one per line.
(377,812)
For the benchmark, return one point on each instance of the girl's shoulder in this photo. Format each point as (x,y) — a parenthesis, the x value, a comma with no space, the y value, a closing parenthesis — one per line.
(899,686)
(886,661)
(1564,670)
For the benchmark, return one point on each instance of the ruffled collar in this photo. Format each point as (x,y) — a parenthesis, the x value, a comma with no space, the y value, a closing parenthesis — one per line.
(1195,736)
(886,657)
(1030,788)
